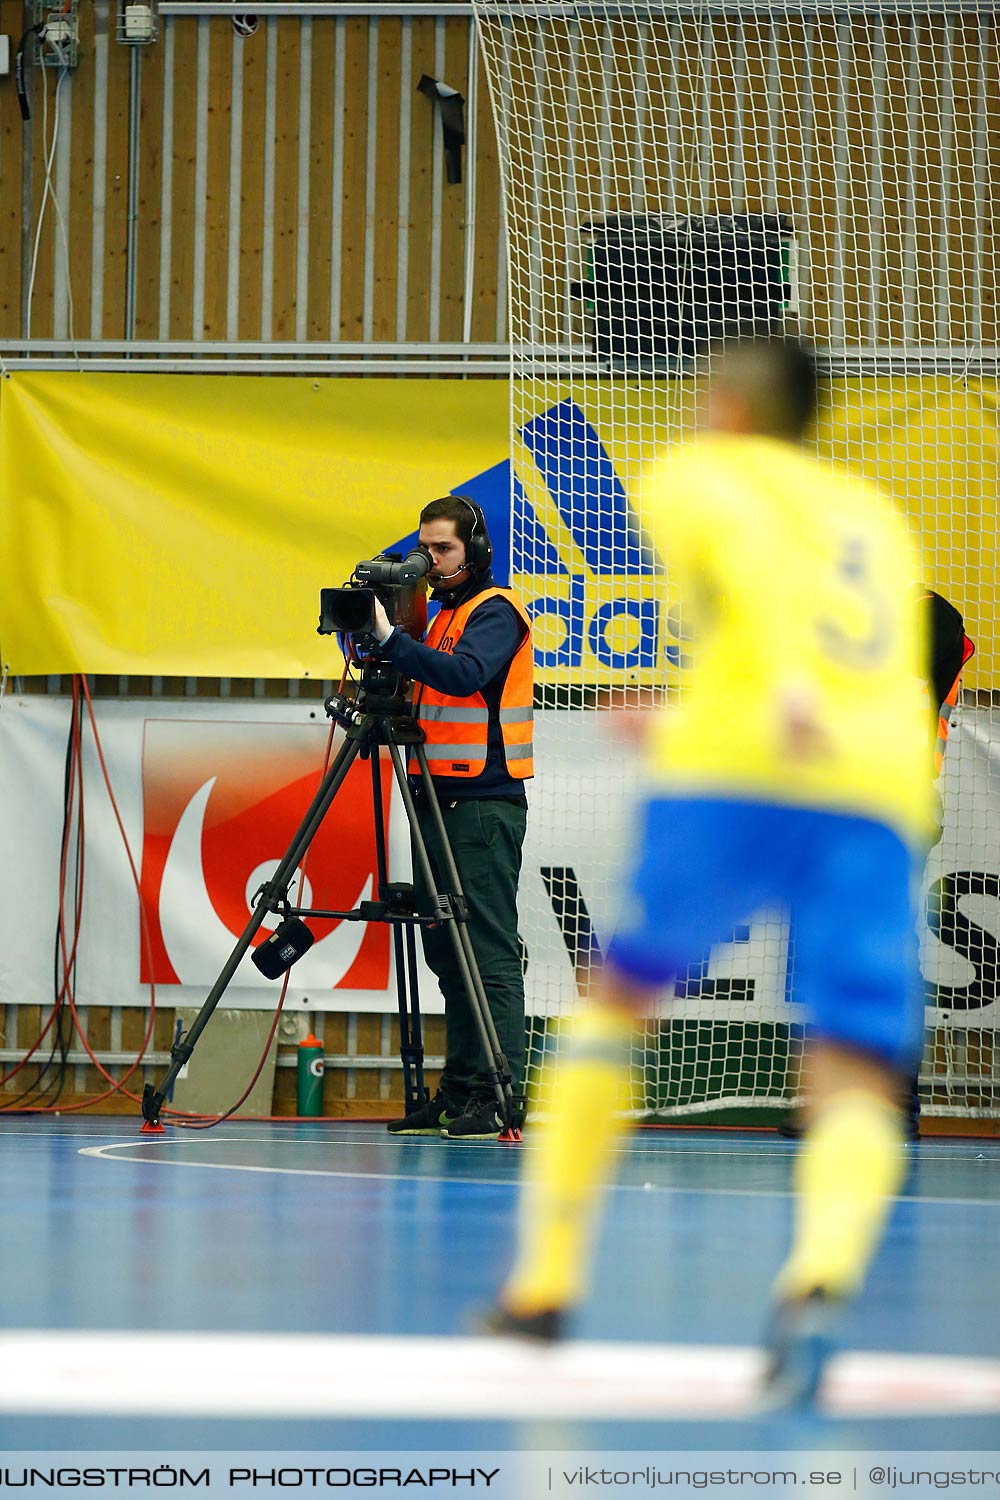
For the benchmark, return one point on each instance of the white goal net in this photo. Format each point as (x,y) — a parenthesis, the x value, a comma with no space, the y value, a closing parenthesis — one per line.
(674,172)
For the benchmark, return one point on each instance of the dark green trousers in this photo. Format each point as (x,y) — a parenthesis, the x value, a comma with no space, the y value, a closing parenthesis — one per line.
(486,835)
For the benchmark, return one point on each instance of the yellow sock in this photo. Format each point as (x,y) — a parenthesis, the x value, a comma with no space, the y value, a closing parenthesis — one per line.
(559,1196)
(850,1164)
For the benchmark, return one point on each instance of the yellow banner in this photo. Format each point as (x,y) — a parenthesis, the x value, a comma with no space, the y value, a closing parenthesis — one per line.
(932,443)
(184,525)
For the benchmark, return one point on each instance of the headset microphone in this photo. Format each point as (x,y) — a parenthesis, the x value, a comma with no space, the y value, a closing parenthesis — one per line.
(479,548)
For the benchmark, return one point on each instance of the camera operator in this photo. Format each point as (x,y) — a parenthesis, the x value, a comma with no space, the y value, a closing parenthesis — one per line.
(473,699)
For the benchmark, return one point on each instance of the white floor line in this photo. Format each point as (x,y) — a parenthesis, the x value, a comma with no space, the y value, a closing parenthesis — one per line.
(773,1149)
(505,1182)
(211,1166)
(929,1149)
(317,1375)
(46,1135)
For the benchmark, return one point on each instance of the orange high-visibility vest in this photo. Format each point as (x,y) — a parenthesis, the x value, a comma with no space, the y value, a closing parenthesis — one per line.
(944,713)
(457,729)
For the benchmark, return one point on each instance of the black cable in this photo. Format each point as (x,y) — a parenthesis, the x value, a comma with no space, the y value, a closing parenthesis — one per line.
(20,85)
(60,1041)
(73,739)
(64,1030)
(64,1020)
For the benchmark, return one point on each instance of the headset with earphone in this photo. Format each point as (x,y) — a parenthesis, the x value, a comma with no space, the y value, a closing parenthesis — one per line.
(479,548)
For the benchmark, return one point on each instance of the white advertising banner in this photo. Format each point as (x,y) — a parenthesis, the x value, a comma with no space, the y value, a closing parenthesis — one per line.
(959,949)
(210,795)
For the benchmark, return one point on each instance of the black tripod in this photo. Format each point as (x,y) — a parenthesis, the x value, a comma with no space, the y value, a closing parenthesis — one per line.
(378,715)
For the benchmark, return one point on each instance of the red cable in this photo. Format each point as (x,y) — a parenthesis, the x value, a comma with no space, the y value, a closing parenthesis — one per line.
(183,1119)
(117,1085)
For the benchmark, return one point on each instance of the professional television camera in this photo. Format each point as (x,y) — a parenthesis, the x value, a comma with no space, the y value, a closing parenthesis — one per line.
(399,582)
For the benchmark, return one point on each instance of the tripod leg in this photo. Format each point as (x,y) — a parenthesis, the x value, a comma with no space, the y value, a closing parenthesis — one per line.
(455,884)
(410,1049)
(416,1032)
(464,955)
(152,1099)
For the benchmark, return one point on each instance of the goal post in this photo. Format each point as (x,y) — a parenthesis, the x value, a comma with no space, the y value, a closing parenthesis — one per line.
(673,173)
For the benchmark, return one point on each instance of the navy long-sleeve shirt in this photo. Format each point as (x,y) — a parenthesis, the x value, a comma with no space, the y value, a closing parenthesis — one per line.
(478,664)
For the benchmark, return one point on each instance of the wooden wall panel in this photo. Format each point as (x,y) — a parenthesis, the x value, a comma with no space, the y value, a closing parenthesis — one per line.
(80,219)
(452,279)
(286,179)
(182,207)
(354,107)
(719,100)
(854,143)
(822,230)
(252,53)
(216,207)
(97,1021)
(384,227)
(39,312)
(927,56)
(962,236)
(322,106)
(348,1091)
(894,173)
(683,91)
(883,154)
(422,137)
(487,232)
(148,229)
(849,124)
(790,187)
(659,174)
(991,187)
(116,191)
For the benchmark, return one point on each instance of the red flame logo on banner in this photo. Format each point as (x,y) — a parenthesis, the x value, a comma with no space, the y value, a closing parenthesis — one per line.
(221,804)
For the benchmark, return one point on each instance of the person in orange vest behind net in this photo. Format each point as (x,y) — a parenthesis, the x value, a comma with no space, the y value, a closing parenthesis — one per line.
(474,688)
(949,651)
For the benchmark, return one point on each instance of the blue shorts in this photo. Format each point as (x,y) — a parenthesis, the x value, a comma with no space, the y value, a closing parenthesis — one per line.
(704,866)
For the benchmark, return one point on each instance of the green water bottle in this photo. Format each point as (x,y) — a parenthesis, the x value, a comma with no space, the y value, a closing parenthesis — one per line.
(309,1077)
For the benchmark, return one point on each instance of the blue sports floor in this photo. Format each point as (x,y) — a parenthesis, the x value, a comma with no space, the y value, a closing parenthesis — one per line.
(335,1232)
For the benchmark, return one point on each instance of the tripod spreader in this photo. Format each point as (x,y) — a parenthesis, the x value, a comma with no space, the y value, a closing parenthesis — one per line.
(451,907)
(396,903)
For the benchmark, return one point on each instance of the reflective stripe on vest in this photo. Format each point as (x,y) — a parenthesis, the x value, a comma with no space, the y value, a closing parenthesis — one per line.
(944,716)
(457,729)
(449,713)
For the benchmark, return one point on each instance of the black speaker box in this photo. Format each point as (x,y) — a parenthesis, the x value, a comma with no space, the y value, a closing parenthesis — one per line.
(661,288)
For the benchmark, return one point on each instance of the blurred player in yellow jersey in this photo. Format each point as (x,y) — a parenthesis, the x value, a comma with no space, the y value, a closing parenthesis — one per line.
(794,772)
